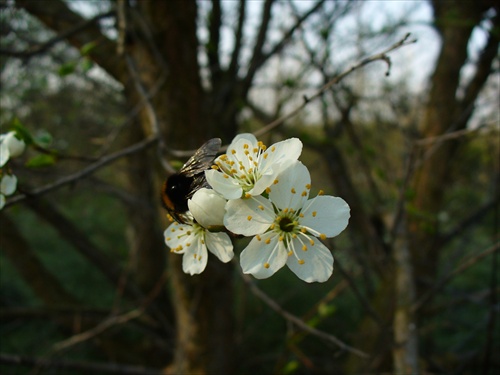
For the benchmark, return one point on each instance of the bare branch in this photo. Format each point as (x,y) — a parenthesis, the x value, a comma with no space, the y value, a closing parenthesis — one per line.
(99,329)
(139,146)
(366,305)
(88,367)
(461,268)
(297,321)
(473,219)
(380,56)
(233,66)
(259,58)
(61,18)
(257,53)
(44,47)
(214,25)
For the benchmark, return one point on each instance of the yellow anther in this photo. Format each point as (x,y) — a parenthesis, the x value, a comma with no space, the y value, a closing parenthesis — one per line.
(233,151)
(258,238)
(293,191)
(301,261)
(275,181)
(314,213)
(308,186)
(268,190)
(321,192)
(267,265)
(304,193)
(248,195)
(304,247)
(261,207)
(322,236)
(311,241)
(267,241)
(249,217)
(245,146)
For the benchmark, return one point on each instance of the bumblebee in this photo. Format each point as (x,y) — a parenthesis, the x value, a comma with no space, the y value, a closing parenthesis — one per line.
(181,186)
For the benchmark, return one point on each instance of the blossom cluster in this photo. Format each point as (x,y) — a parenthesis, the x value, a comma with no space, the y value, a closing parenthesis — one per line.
(10,147)
(264,193)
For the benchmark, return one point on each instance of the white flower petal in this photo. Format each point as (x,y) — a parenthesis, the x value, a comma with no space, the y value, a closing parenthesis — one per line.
(4,154)
(227,187)
(248,137)
(316,264)
(220,245)
(15,146)
(195,258)
(8,184)
(292,187)
(326,214)
(207,207)
(263,259)
(177,236)
(238,150)
(249,216)
(280,153)
(264,182)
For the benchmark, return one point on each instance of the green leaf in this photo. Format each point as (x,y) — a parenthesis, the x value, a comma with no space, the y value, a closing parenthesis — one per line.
(21,131)
(291,367)
(87,48)
(43,160)
(44,138)
(86,64)
(66,69)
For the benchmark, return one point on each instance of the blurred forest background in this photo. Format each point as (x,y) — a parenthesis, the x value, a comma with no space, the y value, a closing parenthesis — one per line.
(114,95)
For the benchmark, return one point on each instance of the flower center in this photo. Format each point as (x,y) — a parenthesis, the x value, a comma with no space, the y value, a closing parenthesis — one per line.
(287,224)
(243,167)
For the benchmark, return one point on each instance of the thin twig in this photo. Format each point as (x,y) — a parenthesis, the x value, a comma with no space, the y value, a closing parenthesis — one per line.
(44,47)
(297,321)
(445,137)
(379,56)
(150,111)
(100,328)
(465,265)
(65,366)
(137,147)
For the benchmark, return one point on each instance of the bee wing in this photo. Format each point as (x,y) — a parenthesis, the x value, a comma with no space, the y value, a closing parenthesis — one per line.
(202,159)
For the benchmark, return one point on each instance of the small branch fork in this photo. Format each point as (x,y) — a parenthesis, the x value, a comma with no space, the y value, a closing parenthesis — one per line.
(154,139)
(299,322)
(137,147)
(379,56)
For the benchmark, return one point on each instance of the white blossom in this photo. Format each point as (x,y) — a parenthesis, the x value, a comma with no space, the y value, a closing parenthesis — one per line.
(286,227)
(10,147)
(8,185)
(192,239)
(249,167)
